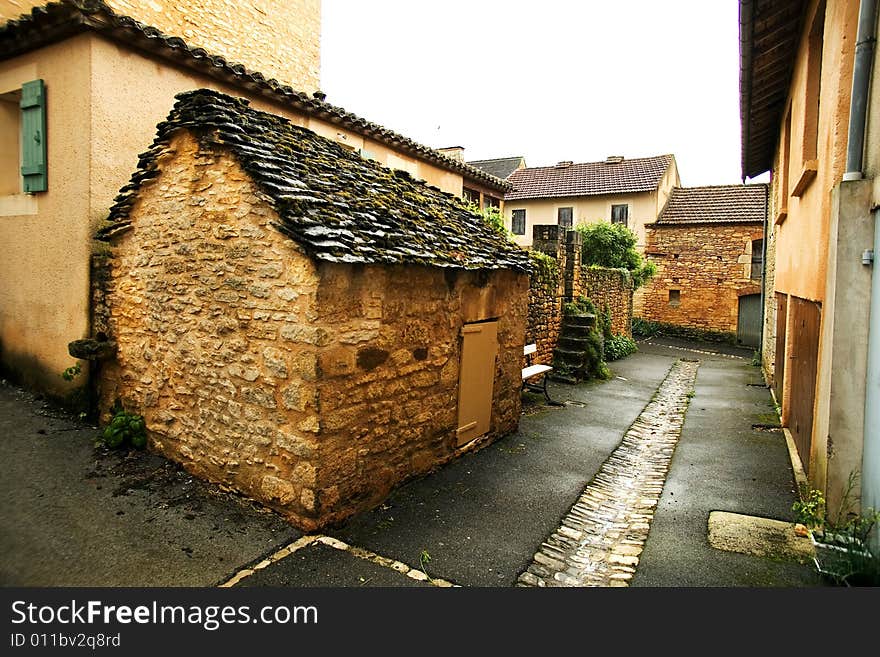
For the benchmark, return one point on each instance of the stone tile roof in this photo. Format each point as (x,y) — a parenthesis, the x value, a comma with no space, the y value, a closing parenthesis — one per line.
(55,21)
(715,204)
(500,167)
(339,206)
(612,176)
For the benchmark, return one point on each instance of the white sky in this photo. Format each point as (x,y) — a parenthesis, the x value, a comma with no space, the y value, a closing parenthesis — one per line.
(550,80)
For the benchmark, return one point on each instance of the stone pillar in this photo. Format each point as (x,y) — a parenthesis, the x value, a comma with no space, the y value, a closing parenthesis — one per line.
(573,285)
(547,240)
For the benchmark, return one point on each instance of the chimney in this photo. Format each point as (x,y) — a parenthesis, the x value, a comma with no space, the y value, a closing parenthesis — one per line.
(614,159)
(564,164)
(455,152)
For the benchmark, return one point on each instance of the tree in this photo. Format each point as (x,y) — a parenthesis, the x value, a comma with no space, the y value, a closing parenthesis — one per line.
(614,245)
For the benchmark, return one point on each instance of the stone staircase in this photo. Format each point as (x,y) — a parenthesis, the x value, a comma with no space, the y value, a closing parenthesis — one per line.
(570,355)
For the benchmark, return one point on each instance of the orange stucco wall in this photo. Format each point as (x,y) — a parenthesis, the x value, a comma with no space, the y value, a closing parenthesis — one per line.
(104,102)
(288,32)
(44,272)
(802,238)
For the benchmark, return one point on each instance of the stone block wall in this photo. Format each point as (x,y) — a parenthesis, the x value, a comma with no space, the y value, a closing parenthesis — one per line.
(710,267)
(389,370)
(603,286)
(545,313)
(314,388)
(611,289)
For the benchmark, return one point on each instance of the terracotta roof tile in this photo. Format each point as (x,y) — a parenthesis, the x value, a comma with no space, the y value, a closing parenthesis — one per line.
(58,20)
(338,205)
(715,204)
(624,176)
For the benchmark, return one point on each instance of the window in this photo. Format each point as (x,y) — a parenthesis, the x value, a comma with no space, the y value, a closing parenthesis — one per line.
(757,259)
(10,146)
(674,297)
(23,139)
(491,202)
(620,214)
(564,217)
(471,196)
(518,223)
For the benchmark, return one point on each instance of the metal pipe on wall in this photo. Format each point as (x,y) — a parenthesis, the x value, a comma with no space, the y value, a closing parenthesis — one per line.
(871,444)
(858,107)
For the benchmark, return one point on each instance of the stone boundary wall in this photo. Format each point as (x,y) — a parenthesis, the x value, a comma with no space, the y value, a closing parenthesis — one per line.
(603,286)
(611,288)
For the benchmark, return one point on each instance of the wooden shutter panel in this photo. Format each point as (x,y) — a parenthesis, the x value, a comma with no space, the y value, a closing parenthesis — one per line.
(33,136)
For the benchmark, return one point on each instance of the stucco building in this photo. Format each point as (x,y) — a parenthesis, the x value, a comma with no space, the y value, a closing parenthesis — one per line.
(88,81)
(708,247)
(298,322)
(621,190)
(810,114)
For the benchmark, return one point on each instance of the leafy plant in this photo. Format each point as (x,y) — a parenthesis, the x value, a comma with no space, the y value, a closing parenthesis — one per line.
(492,217)
(424,560)
(545,269)
(844,552)
(644,328)
(619,346)
(70,373)
(614,245)
(125,429)
(581,306)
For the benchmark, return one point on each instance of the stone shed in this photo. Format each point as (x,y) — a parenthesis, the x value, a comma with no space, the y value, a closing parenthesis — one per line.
(297,322)
(708,247)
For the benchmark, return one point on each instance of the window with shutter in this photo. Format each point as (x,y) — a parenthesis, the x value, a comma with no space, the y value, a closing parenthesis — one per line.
(34,167)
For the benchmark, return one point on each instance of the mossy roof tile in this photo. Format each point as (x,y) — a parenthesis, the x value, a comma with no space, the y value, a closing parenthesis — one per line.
(339,206)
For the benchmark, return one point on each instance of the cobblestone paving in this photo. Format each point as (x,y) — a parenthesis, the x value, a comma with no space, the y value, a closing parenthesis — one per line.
(601,538)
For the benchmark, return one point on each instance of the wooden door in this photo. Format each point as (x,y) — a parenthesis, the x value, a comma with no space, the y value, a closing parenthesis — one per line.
(781,326)
(476,380)
(802,367)
(748,326)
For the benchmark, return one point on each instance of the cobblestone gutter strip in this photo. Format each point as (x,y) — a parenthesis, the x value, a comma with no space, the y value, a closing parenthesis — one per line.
(601,538)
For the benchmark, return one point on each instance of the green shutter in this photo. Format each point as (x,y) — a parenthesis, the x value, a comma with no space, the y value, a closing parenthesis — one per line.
(33,136)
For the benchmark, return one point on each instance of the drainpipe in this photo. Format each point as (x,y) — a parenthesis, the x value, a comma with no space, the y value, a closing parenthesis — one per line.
(858,107)
(764,275)
(871,444)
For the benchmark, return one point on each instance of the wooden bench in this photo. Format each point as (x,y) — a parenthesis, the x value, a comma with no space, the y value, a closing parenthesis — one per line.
(530,371)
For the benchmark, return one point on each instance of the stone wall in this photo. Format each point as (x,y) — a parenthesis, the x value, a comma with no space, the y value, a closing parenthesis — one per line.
(611,289)
(312,388)
(545,313)
(709,266)
(389,370)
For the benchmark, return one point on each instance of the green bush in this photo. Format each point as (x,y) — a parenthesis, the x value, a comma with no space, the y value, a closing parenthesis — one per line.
(125,429)
(545,269)
(614,245)
(619,346)
(644,328)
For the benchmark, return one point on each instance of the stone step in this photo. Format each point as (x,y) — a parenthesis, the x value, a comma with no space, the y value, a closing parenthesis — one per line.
(573,343)
(587,319)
